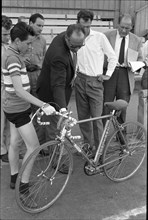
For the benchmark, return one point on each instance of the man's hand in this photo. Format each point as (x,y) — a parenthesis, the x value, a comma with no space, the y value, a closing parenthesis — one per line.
(102,78)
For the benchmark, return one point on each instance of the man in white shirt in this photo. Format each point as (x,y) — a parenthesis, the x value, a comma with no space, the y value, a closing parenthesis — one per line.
(88,83)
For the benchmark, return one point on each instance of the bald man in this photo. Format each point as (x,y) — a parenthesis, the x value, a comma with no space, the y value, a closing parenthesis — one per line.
(121,84)
(54,82)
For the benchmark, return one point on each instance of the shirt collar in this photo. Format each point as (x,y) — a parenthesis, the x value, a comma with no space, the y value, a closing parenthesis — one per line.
(91,33)
(118,35)
(37,36)
(12,49)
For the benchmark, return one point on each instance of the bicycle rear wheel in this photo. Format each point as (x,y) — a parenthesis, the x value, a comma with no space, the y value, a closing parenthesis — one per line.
(48,179)
(122,163)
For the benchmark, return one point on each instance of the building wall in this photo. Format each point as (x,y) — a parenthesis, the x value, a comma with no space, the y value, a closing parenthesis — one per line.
(141,23)
(71,6)
(103,8)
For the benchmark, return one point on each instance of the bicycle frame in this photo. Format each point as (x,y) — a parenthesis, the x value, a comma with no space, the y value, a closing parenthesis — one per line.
(112,118)
(103,138)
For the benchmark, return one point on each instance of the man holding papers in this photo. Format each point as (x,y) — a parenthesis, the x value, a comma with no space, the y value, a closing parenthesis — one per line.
(127,47)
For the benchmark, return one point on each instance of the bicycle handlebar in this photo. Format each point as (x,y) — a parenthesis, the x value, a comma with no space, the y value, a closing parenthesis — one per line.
(40,113)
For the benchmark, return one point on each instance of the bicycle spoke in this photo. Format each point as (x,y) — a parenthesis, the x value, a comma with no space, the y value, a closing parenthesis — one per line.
(46,180)
(130,156)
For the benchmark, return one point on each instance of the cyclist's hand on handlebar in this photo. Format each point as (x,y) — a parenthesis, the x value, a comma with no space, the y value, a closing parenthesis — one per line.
(48,109)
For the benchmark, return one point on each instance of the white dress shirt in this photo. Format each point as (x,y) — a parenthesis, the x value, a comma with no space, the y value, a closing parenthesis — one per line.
(118,44)
(145,51)
(91,56)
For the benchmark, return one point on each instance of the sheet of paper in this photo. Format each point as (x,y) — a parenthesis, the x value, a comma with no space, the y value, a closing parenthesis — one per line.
(132,55)
(136,65)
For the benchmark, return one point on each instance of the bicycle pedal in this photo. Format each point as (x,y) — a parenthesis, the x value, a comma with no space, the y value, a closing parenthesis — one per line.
(100,171)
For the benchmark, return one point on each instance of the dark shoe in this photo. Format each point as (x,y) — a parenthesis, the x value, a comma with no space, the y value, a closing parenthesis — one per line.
(4,158)
(28,201)
(78,154)
(63,169)
(44,153)
(92,152)
(12,185)
(21,156)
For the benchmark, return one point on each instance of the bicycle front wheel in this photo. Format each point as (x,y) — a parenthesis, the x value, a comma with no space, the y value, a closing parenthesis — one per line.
(48,178)
(124,161)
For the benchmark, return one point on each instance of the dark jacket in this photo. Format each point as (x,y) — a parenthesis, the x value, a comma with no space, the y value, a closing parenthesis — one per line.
(53,84)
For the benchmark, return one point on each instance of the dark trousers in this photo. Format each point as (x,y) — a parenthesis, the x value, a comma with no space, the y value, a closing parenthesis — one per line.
(117,87)
(48,132)
(89,102)
(33,77)
(40,129)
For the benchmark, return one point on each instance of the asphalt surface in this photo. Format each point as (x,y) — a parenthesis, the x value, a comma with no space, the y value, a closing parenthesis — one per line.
(86,198)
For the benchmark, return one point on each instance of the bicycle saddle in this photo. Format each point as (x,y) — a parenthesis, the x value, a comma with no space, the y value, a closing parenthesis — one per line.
(116,105)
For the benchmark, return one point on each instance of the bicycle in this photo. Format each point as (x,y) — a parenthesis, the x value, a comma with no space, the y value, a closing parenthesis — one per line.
(119,156)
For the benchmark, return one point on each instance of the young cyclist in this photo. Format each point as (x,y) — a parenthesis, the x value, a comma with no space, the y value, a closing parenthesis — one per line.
(17,101)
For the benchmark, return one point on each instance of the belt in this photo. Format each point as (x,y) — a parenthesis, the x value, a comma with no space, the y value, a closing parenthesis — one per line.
(121,67)
(83,75)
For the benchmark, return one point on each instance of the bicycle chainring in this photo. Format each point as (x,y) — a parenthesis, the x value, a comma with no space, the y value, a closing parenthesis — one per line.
(90,170)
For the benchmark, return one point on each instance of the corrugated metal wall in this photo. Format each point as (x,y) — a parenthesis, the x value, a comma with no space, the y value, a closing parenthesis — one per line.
(131,6)
(71,6)
(141,23)
(104,8)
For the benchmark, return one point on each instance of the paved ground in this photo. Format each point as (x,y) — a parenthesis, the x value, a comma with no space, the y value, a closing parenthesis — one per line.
(86,198)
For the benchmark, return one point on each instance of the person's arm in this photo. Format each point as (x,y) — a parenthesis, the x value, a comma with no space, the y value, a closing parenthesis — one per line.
(109,52)
(16,80)
(58,81)
(44,48)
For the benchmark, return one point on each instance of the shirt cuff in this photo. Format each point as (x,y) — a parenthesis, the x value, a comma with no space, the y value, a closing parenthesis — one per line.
(109,73)
(63,110)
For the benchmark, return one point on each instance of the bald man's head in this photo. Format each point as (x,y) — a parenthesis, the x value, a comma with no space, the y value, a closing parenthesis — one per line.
(125,25)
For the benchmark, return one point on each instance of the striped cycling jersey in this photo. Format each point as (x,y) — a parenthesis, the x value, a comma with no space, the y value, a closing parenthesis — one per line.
(13,64)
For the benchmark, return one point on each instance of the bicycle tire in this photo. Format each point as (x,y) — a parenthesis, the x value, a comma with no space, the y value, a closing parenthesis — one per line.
(125,165)
(44,188)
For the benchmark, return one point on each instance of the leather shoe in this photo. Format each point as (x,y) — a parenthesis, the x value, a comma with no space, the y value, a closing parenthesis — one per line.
(12,185)
(21,156)
(44,153)
(4,158)
(63,169)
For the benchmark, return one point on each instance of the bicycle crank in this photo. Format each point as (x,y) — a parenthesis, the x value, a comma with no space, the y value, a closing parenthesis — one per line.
(90,170)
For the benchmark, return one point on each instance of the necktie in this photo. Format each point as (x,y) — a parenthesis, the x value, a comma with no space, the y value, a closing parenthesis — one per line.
(74,60)
(121,55)
(74,64)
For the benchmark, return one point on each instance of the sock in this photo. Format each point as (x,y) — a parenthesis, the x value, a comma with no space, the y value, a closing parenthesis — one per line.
(24,188)
(13,178)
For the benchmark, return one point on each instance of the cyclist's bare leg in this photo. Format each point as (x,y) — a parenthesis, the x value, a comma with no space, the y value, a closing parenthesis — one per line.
(30,138)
